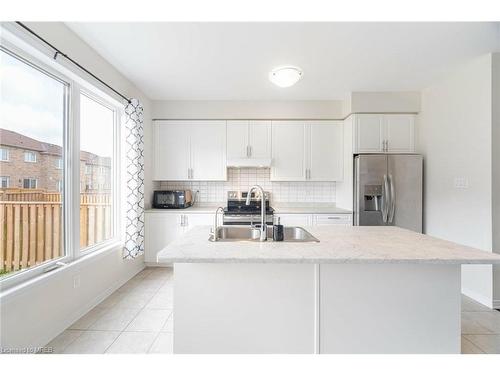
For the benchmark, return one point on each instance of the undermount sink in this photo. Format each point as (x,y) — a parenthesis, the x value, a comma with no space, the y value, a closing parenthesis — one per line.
(228,233)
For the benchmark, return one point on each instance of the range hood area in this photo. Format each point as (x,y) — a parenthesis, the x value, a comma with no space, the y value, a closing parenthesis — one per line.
(249,162)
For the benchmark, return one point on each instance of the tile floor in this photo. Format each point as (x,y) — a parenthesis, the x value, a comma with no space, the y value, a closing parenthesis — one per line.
(138,318)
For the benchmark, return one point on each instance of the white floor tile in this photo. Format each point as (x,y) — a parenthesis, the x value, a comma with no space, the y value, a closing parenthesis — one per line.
(115,319)
(161,301)
(150,320)
(88,319)
(471,326)
(164,343)
(488,343)
(469,348)
(92,342)
(487,319)
(132,342)
(62,341)
(135,299)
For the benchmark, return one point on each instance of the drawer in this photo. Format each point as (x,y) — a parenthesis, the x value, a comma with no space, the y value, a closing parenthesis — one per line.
(333,219)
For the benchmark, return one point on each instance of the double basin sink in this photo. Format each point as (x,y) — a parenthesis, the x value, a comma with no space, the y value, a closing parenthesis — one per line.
(233,233)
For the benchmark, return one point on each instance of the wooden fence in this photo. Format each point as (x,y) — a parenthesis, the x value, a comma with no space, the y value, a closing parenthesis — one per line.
(31,232)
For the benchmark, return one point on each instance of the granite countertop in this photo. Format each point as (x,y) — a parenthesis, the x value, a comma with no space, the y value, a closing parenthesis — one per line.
(279,208)
(339,244)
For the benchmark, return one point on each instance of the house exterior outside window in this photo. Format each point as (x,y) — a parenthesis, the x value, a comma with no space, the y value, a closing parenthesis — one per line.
(59,163)
(30,157)
(4,182)
(4,154)
(30,183)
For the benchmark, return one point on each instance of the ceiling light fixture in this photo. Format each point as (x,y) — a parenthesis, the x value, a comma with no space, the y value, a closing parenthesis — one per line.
(285,76)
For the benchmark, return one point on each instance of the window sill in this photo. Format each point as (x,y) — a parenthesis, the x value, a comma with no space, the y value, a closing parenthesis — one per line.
(12,288)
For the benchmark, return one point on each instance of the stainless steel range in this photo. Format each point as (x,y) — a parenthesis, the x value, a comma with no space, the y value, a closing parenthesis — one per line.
(238,213)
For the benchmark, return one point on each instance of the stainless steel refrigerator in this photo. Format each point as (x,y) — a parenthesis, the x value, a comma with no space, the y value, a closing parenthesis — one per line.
(388,190)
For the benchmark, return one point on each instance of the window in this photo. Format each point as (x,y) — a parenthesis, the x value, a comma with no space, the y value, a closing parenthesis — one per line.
(30,92)
(30,157)
(48,95)
(29,183)
(4,182)
(97,118)
(4,154)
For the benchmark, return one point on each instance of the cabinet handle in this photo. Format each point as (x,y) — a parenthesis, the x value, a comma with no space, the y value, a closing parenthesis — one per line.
(186,221)
(386,145)
(182,220)
(250,150)
(192,173)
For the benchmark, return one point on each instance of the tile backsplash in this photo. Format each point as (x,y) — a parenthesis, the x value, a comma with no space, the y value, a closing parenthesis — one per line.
(243,178)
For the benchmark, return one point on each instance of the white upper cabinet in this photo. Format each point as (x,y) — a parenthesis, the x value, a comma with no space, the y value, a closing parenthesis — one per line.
(190,150)
(171,150)
(326,156)
(248,140)
(381,133)
(259,134)
(307,151)
(208,150)
(369,133)
(288,151)
(400,133)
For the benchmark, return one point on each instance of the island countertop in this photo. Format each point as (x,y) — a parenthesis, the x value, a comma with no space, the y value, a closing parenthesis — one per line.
(338,244)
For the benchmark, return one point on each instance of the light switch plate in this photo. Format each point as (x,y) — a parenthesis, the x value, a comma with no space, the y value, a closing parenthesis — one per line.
(460,183)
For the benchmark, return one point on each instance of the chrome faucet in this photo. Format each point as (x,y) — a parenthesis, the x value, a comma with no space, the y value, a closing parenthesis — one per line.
(215,229)
(263,226)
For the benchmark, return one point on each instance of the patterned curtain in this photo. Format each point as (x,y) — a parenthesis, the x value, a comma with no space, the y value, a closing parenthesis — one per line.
(134,175)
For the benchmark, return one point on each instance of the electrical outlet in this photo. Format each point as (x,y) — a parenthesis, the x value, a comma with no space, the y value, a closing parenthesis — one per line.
(76,282)
(460,183)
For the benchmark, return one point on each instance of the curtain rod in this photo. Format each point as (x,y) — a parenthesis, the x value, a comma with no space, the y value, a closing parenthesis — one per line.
(59,52)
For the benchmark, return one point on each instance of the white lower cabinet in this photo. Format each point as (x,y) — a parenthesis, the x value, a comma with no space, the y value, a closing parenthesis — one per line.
(161,228)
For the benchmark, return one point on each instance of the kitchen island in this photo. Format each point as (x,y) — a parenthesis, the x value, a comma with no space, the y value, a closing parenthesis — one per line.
(359,290)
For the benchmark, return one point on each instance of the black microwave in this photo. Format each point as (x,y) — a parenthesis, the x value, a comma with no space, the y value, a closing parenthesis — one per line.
(172,199)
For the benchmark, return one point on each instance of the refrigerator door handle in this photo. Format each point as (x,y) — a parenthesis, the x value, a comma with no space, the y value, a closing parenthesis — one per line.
(385,192)
(393,201)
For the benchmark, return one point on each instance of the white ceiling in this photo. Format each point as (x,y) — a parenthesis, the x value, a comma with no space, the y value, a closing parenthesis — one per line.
(231,61)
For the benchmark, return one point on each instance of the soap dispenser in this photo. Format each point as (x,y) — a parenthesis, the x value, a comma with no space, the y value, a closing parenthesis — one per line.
(278,231)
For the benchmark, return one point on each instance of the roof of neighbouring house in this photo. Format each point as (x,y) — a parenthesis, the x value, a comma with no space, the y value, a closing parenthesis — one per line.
(14,139)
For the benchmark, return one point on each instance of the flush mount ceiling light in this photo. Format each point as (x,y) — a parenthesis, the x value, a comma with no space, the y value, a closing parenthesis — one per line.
(285,76)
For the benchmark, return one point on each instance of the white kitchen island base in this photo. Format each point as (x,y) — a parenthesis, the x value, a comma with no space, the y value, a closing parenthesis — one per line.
(316,308)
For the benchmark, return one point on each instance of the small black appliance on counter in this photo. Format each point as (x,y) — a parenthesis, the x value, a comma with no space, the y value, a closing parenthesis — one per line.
(172,199)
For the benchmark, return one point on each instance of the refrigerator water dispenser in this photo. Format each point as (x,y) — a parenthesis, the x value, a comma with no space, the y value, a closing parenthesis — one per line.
(373,197)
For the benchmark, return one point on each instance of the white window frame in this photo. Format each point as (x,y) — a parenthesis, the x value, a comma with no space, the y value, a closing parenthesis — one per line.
(71,170)
(2,179)
(115,190)
(6,152)
(29,159)
(59,163)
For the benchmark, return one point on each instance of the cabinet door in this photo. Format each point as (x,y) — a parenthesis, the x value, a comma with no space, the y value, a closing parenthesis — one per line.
(208,150)
(237,139)
(159,230)
(369,133)
(399,132)
(295,220)
(193,220)
(171,150)
(288,151)
(326,157)
(260,139)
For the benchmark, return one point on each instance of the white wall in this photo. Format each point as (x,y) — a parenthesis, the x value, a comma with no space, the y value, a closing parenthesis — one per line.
(496,173)
(454,135)
(384,102)
(219,109)
(33,315)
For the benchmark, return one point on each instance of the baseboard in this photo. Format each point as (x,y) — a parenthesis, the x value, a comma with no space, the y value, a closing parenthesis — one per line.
(478,297)
(496,303)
